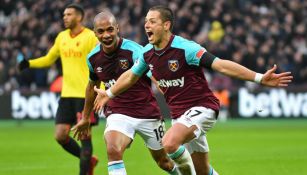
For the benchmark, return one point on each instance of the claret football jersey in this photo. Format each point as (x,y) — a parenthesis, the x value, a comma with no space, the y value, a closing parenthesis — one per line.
(179,74)
(138,101)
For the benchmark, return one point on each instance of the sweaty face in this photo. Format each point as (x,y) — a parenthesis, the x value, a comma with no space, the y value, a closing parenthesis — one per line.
(107,33)
(154,27)
(70,18)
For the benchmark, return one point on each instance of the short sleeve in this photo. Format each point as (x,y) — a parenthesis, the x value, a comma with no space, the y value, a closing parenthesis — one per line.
(139,66)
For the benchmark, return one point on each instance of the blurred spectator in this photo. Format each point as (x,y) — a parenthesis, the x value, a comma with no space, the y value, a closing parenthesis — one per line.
(255,33)
(224,97)
(216,33)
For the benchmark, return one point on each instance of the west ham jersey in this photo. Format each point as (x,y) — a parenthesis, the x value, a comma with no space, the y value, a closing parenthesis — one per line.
(179,75)
(138,101)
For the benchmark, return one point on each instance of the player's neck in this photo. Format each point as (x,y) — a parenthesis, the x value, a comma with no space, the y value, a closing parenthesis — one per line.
(164,42)
(76,30)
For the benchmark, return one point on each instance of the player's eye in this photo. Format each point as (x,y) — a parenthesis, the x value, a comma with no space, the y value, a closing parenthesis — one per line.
(100,31)
(152,21)
(110,30)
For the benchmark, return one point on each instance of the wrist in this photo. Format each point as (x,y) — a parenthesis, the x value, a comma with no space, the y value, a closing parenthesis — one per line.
(109,93)
(258,78)
(24,64)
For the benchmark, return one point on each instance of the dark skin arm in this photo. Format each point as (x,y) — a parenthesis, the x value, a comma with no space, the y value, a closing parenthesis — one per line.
(82,128)
(124,82)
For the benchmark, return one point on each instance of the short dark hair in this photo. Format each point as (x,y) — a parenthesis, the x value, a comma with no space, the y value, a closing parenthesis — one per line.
(166,14)
(78,8)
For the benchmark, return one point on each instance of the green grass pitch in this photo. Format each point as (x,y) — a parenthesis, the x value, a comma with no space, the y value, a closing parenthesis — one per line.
(245,147)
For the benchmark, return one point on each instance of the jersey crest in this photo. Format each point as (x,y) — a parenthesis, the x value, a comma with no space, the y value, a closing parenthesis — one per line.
(124,63)
(173,65)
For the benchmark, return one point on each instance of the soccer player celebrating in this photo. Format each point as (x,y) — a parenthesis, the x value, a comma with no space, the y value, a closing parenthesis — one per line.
(177,65)
(135,111)
(72,46)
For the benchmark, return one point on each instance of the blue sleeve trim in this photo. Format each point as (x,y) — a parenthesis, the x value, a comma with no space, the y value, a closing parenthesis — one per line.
(149,74)
(192,50)
(94,51)
(134,47)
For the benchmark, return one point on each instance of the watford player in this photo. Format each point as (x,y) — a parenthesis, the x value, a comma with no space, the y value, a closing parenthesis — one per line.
(72,46)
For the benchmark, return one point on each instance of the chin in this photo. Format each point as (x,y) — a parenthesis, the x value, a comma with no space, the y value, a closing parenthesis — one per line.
(151,41)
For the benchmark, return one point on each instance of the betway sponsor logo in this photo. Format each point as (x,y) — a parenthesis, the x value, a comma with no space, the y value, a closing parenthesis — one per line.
(171,83)
(276,103)
(35,106)
(110,83)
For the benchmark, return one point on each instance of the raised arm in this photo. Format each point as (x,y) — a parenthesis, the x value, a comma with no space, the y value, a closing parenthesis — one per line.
(41,62)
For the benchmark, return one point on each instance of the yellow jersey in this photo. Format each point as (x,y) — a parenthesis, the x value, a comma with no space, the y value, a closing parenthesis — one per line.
(73,52)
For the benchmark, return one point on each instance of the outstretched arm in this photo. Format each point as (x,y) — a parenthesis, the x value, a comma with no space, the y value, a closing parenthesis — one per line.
(124,82)
(41,62)
(270,78)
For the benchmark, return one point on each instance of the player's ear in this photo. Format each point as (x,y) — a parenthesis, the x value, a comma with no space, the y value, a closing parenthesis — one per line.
(167,25)
(117,27)
(80,17)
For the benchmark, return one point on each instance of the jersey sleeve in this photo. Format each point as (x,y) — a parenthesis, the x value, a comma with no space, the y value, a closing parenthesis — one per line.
(47,60)
(92,74)
(140,66)
(137,56)
(194,53)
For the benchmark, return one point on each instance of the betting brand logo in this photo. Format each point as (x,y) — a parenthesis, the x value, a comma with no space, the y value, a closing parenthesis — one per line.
(171,83)
(110,83)
(123,63)
(173,65)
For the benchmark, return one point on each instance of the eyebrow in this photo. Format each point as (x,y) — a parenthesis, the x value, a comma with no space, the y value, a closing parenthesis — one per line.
(110,27)
(150,18)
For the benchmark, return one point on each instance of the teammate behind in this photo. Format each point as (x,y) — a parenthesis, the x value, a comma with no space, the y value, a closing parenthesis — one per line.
(72,46)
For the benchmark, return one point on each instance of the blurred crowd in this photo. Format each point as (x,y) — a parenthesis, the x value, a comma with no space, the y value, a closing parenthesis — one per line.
(254,33)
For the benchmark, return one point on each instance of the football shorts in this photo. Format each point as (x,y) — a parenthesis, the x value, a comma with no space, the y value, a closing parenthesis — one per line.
(69,111)
(151,130)
(204,119)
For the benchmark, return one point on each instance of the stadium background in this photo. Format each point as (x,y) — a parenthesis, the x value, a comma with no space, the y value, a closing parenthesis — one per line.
(254,33)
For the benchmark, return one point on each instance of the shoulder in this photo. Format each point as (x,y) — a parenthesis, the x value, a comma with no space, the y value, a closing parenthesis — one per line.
(63,33)
(94,51)
(88,32)
(131,45)
(183,43)
(148,47)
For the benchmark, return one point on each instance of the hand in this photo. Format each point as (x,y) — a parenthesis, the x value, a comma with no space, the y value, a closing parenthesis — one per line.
(82,128)
(22,62)
(101,99)
(270,78)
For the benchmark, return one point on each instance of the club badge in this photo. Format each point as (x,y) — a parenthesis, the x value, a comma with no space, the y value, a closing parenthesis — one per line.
(173,65)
